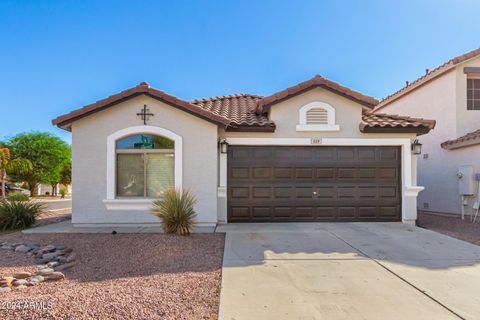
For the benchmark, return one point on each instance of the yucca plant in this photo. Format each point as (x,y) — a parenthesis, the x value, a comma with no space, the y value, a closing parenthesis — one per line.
(18,214)
(175,209)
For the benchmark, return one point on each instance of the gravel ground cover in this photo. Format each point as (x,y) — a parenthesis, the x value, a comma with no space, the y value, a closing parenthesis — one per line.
(122,276)
(451,226)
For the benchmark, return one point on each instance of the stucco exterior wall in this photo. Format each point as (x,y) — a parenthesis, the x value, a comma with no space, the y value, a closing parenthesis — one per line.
(89,145)
(444,100)
(348,116)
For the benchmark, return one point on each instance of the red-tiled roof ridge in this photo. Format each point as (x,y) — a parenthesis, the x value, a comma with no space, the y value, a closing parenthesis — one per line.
(462,141)
(141,88)
(226,96)
(428,76)
(239,108)
(374,121)
(316,81)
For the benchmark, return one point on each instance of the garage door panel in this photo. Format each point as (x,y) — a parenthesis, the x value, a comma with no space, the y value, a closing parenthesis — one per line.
(313,184)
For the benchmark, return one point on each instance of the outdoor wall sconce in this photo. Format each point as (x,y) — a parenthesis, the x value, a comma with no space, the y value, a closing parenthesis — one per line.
(416,147)
(223,146)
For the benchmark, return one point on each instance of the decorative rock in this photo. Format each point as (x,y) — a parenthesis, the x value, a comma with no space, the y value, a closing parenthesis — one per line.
(71,258)
(54,276)
(48,248)
(33,282)
(5,290)
(45,271)
(7,281)
(68,250)
(7,247)
(43,260)
(32,245)
(37,278)
(65,266)
(19,282)
(52,264)
(49,256)
(61,259)
(22,275)
(22,248)
(60,247)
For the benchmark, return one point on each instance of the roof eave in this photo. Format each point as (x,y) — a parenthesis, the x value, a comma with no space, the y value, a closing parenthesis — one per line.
(420,130)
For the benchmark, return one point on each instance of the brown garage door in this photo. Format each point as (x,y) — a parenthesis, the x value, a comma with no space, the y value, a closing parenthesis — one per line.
(280,184)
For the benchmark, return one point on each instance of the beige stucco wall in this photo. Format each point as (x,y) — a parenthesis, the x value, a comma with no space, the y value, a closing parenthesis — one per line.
(444,100)
(89,145)
(348,116)
(286,116)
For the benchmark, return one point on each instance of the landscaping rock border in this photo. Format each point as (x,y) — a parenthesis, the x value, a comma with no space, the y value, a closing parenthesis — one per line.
(51,261)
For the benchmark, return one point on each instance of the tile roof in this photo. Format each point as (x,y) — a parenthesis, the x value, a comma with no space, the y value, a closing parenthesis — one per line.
(142,88)
(468,139)
(244,112)
(380,122)
(428,76)
(239,108)
(317,81)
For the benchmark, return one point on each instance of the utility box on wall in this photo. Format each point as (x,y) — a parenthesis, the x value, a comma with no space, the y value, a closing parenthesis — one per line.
(465,180)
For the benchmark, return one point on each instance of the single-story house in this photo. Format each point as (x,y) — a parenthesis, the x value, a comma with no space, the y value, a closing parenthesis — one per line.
(311,152)
(448,167)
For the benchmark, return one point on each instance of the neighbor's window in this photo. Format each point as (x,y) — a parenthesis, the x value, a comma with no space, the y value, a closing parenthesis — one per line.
(145,166)
(473,94)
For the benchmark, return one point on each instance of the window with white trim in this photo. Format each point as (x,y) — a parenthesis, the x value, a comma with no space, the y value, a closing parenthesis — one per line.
(145,166)
(317,116)
(473,93)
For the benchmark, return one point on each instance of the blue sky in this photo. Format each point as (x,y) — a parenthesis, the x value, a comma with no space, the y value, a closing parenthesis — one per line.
(56,56)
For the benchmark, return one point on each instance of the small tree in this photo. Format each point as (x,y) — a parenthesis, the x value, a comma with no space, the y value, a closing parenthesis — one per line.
(13,166)
(47,153)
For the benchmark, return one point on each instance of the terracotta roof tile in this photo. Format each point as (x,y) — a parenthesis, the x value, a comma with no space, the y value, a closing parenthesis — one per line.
(380,122)
(468,139)
(428,76)
(239,108)
(317,81)
(142,88)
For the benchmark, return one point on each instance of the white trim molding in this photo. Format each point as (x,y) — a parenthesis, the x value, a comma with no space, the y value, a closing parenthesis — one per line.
(409,188)
(304,124)
(111,202)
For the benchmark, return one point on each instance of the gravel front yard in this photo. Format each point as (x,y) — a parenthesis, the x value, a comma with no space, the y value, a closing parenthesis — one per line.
(123,276)
(451,226)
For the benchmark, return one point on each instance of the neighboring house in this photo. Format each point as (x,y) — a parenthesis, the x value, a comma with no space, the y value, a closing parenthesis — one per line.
(312,152)
(450,94)
(46,189)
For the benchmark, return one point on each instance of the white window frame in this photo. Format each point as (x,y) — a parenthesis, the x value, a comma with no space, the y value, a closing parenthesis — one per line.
(330,126)
(113,203)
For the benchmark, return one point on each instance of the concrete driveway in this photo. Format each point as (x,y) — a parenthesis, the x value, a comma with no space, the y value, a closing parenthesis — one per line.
(347,271)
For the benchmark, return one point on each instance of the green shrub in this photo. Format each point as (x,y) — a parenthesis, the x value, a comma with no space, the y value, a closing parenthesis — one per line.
(17,196)
(18,214)
(175,209)
(63,192)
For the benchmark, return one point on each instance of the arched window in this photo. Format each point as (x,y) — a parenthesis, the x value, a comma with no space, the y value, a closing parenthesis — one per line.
(142,162)
(317,116)
(145,166)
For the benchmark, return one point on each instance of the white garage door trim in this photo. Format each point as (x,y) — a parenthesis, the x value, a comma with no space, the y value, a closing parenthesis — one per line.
(408,165)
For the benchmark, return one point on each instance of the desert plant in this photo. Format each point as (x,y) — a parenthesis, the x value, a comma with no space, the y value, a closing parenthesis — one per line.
(176,211)
(63,192)
(18,214)
(17,196)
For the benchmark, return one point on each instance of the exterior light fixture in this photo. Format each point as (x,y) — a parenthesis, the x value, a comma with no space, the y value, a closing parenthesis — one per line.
(223,145)
(416,147)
